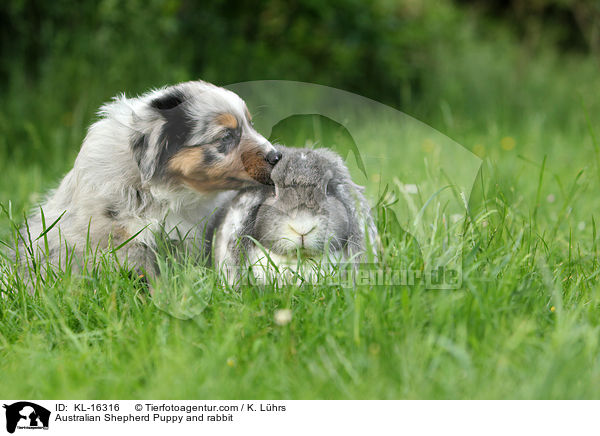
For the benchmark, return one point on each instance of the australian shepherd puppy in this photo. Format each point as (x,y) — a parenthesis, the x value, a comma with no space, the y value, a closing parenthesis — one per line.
(162,162)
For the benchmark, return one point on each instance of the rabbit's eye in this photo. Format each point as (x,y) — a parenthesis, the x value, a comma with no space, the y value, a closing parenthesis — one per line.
(330,188)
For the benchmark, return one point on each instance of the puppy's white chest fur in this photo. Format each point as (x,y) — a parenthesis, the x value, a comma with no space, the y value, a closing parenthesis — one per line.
(186,213)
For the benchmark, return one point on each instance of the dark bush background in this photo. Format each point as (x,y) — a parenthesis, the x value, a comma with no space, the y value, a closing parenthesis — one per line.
(456,65)
(383,49)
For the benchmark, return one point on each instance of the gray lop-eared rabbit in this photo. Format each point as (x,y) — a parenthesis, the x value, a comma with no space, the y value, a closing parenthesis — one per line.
(313,208)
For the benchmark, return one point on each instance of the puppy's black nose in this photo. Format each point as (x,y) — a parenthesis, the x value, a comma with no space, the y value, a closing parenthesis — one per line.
(273,157)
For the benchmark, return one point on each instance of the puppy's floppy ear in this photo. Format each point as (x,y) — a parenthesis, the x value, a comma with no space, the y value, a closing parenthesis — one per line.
(159,131)
(168,101)
(147,163)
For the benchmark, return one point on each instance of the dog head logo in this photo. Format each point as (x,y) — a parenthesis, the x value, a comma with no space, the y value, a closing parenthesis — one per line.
(26,415)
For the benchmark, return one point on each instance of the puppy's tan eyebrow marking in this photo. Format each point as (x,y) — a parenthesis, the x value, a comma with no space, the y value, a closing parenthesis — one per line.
(227,120)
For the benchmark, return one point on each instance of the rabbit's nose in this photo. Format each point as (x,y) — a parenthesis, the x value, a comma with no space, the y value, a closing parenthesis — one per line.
(302,232)
(273,157)
(302,225)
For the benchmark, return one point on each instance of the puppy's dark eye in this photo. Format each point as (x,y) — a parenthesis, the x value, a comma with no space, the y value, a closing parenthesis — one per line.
(228,141)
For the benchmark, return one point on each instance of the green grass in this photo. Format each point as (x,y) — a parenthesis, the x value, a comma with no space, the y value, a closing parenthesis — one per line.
(525,324)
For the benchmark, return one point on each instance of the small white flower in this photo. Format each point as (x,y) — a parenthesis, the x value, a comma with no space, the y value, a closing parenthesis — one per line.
(581,225)
(411,189)
(550,198)
(282,316)
(456,217)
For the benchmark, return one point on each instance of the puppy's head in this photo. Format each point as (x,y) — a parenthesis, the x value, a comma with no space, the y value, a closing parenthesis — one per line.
(200,136)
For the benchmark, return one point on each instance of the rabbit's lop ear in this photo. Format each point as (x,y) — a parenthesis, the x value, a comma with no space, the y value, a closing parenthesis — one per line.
(362,228)
(362,231)
(326,179)
(366,231)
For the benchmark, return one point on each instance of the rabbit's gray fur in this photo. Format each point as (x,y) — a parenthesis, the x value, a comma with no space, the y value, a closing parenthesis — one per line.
(313,204)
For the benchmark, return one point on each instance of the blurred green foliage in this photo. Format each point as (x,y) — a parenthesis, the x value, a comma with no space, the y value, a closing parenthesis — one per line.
(459,66)
(383,49)
(373,48)
(568,24)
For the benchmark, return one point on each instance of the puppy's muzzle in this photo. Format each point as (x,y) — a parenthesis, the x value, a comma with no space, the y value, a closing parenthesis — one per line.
(273,157)
(259,158)
(259,167)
